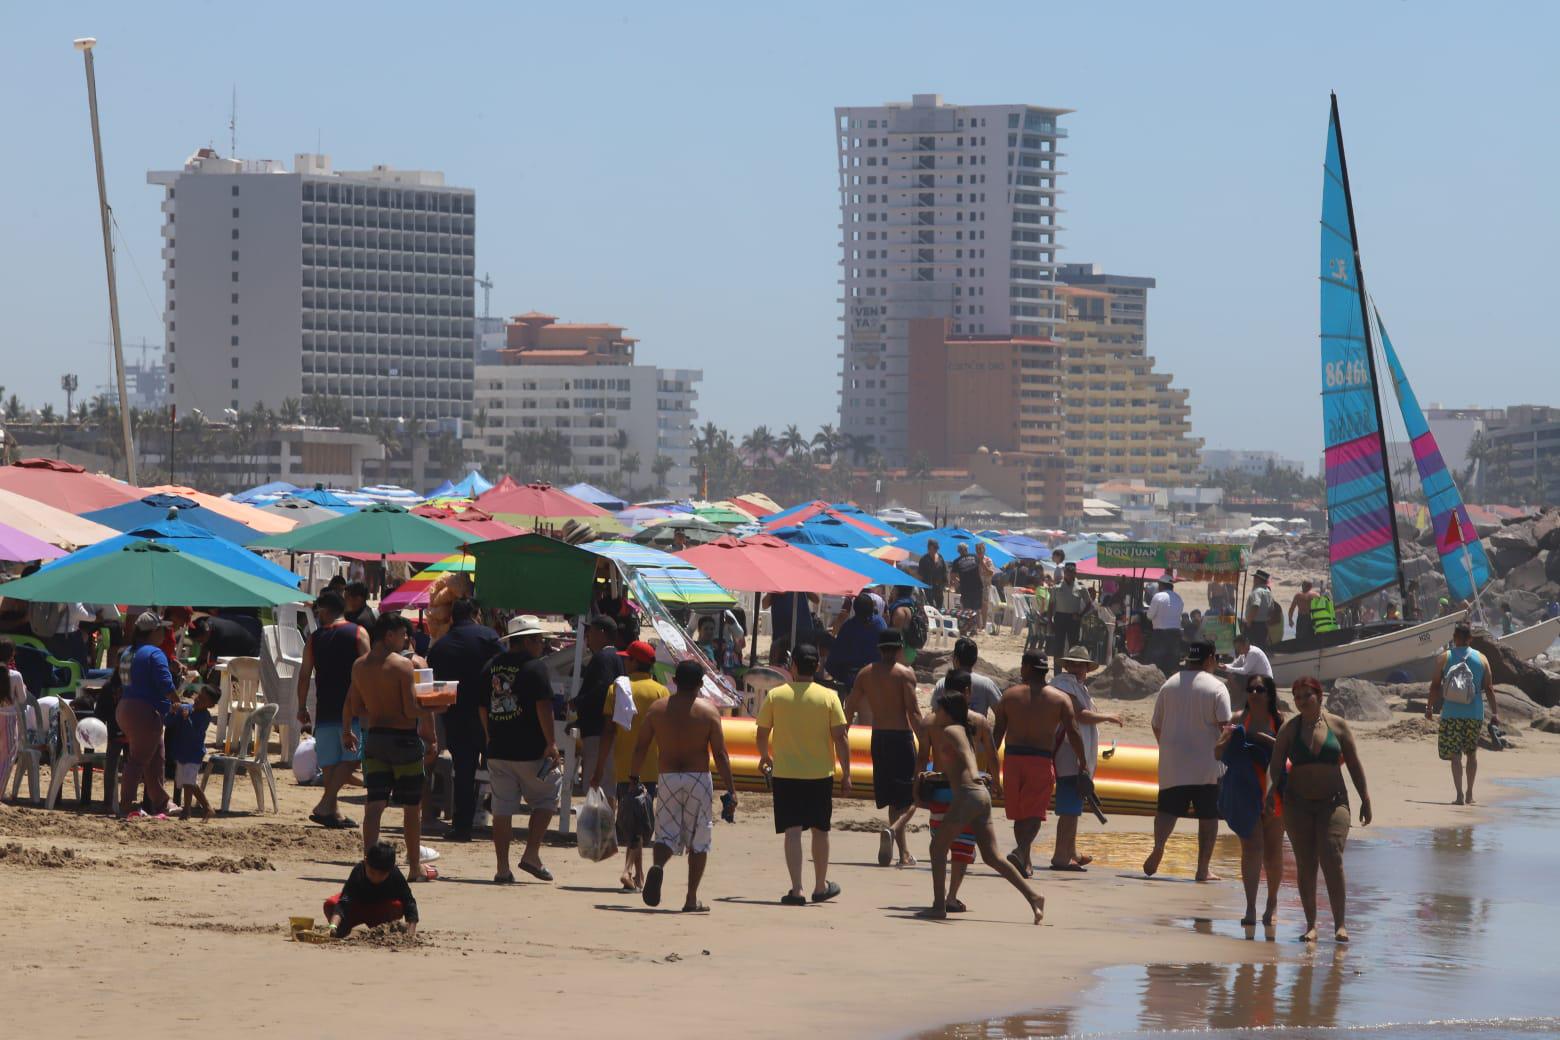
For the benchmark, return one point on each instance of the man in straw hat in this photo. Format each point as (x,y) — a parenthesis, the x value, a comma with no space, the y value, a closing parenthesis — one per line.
(1070,772)
(523,758)
(1259,610)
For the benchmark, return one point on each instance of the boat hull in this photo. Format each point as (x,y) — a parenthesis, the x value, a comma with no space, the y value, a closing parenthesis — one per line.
(1361,658)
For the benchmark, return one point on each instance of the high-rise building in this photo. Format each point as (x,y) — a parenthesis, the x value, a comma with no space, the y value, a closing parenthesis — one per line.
(1124,419)
(947,212)
(580,384)
(355,286)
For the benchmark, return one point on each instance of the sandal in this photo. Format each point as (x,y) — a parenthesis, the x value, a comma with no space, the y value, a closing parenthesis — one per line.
(652,891)
(540,873)
(956,906)
(830,890)
(789,900)
(1018,865)
(506,878)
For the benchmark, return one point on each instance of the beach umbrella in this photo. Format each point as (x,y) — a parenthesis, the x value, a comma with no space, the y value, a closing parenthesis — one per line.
(17,546)
(129,516)
(192,540)
(301,513)
(250,516)
(636,516)
(762,563)
(663,532)
(670,577)
(155,573)
(416,590)
(840,531)
(757,503)
(478,525)
(845,513)
(378,530)
(722,515)
(596,497)
(49,524)
(948,538)
(329,499)
(872,570)
(65,486)
(263,494)
(532,502)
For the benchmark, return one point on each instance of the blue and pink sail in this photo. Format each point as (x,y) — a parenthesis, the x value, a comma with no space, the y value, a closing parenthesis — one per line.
(1359,502)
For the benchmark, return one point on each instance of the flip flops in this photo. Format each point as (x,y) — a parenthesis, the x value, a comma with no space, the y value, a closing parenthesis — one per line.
(956,906)
(1018,865)
(506,878)
(652,892)
(332,823)
(830,890)
(789,900)
(1074,868)
(540,873)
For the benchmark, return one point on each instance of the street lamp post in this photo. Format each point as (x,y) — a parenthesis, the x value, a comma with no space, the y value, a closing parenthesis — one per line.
(85,45)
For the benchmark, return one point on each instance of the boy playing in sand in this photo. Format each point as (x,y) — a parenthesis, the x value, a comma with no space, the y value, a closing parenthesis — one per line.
(375,893)
(187,724)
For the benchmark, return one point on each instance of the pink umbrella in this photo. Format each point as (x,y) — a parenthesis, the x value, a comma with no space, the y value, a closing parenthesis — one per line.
(763,563)
(66,486)
(541,501)
(21,547)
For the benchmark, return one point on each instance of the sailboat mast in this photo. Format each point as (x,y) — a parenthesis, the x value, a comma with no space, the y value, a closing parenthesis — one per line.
(1370,352)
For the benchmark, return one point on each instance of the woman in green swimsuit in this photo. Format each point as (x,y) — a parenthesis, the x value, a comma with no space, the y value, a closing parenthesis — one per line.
(1316,746)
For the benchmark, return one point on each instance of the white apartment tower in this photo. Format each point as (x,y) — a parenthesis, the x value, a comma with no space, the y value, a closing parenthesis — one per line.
(947,211)
(312,283)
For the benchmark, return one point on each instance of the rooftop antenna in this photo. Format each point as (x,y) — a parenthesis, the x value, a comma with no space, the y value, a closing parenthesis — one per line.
(233,125)
(486,281)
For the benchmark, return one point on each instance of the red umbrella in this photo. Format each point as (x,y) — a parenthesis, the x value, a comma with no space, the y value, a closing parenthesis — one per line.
(66,486)
(479,525)
(763,563)
(542,501)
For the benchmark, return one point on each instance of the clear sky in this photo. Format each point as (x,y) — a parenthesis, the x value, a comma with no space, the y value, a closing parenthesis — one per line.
(671,167)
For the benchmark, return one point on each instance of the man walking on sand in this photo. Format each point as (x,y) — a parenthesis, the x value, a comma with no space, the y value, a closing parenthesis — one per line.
(886,689)
(1459,689)
(1189,714)
(970,805)
(686,733)
(400,742)
(1076,666)
(328,657)
(809,730)
(523,758)
(1030,718)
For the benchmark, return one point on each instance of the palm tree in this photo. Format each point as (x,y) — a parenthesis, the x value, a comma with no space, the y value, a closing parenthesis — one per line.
(859,447)
(826,443)
(792,441)
(46,414)
(662,465)
(14,410)
(629,464)
(291,412)
(759,446)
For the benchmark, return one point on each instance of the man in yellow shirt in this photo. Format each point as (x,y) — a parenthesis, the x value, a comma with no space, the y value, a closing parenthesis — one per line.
(635,819)
(809,729)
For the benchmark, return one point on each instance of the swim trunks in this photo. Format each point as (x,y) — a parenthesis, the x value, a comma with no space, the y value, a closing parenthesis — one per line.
(808,804)
(893,768)
(684,817)
(393,766)
(940,796)
(1069,797)
(1457,737)
(1028,780)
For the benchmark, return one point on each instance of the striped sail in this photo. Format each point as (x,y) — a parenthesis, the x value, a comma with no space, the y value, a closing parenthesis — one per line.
(1359,513)
(1440,489)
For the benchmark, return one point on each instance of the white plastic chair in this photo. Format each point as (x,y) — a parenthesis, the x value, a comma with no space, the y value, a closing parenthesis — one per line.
(251,756)
(72,757)
(281,656)
(35,746)
(1022,604)
(940,627)
(240,696)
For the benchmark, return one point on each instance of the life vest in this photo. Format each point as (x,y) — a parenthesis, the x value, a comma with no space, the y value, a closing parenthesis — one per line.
(1322,617)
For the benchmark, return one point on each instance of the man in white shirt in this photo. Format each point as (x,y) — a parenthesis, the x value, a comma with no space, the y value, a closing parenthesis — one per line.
(1164,613)
(1250,660)
(1191,710)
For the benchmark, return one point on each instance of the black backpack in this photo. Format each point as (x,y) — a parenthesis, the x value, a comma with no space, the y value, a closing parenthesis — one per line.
(918,629)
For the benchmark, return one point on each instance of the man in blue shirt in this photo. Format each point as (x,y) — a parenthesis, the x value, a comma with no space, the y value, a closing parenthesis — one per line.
(1458,690)
(856,645)
(147,683)
(459,656)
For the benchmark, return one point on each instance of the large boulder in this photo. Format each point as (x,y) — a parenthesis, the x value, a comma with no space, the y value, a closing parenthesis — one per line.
(1546,530)
(1530,576)
(1507,558)
(1547,723)
(1410,697)
(1358,701)
(1518,535)
(1516,705)
(1507,668)
(1526,607)
(1552,565)
(1127,679)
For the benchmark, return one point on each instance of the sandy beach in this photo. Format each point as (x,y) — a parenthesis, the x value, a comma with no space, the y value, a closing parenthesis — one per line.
(137,911)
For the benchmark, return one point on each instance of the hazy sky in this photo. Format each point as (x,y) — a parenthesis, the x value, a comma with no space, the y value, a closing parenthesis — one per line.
(672,168)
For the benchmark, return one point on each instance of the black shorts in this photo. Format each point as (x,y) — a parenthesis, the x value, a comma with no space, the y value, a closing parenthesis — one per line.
(893,768)
(808,804)
(393,766)
(1192,801)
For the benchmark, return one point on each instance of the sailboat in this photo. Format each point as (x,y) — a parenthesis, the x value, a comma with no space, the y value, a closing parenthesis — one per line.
(1365,556)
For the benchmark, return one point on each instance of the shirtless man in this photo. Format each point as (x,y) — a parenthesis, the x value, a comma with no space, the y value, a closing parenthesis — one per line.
(1030,717)
(886,689)
(970,807)
(940,795)
(686,732)
(400,741)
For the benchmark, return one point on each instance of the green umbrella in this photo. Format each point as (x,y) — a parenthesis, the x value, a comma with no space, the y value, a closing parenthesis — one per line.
(154,573)
(384,530)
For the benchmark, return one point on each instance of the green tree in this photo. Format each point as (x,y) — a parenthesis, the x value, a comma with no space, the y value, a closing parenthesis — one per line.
(629,464)
(662,465)
(793,441)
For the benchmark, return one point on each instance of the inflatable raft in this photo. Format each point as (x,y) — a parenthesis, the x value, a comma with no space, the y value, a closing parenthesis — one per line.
(1126,780)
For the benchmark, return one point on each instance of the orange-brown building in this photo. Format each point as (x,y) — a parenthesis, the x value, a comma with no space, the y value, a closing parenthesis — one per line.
(991,405)
(539,339)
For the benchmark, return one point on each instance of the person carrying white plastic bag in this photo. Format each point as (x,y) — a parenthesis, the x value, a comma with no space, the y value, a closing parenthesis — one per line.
(597,827)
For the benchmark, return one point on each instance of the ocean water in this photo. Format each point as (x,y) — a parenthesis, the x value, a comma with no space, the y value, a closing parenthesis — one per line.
(1455,932)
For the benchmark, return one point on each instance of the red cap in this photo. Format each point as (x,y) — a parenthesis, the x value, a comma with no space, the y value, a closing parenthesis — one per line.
(640,651)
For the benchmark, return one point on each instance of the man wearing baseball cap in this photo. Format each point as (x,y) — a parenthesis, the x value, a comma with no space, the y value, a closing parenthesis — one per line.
(635,818)
(1189,714)
(147,686)
(523,759)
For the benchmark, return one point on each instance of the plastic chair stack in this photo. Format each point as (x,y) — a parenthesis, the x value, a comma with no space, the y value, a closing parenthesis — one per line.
(240,696)
(251,757)
(281,656)
(35,747)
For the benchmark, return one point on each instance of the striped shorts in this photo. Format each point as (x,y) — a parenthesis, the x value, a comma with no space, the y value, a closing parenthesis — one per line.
(963,850)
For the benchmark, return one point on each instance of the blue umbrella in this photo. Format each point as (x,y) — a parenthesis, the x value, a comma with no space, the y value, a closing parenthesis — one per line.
(154,508)
(948,538)
(320,497)
(266,492)
(803,534)
(192,541)
(873,570)
(596,497)
(1021,546)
